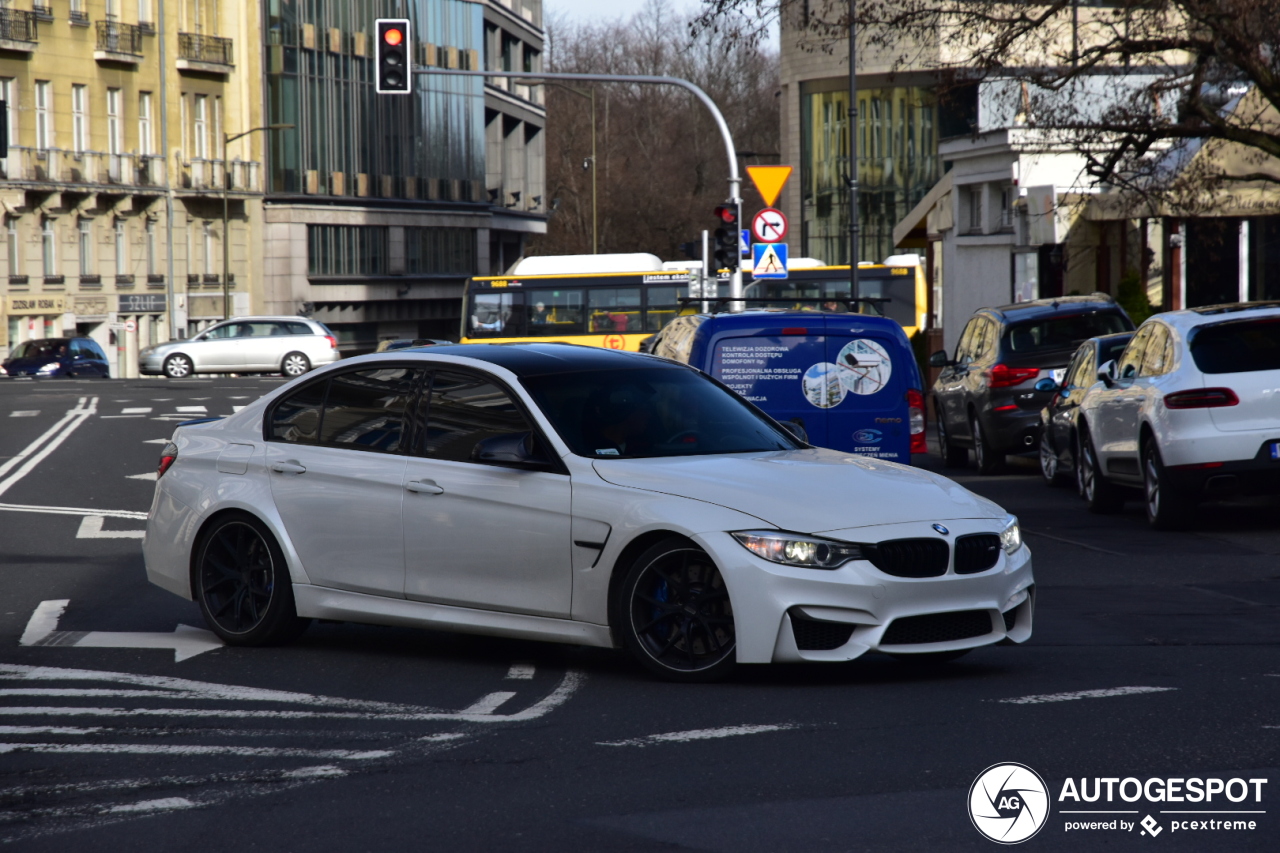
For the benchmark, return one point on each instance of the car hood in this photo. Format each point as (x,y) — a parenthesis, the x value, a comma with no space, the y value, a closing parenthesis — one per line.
(807,491)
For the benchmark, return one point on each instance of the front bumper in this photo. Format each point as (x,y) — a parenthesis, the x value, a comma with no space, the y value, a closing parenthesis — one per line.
(855,607)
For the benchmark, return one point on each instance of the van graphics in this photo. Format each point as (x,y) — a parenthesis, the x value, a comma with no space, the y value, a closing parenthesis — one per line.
(822,385)
(751,368)
(868,436)
(864,366)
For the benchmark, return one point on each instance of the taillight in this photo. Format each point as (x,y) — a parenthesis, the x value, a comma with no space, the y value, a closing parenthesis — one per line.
(915,406)
(167,457)
(333,342)
(1002,375)
(1201,398)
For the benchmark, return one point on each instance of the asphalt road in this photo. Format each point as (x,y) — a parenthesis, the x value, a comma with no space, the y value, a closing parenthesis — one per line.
(365,738)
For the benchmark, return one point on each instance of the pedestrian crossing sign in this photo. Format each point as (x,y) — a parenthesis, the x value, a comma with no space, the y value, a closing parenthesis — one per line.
(770,260)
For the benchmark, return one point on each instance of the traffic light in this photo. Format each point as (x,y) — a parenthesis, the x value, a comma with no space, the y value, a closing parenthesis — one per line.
(692,250)
(726,250)
(392,52)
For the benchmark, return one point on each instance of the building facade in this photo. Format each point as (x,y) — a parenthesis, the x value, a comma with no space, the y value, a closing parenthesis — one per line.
(115,194)
(379,207)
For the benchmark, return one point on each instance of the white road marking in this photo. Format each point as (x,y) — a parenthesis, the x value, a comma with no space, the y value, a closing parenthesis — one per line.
(521,671)
(235,409)
(156,441)
(35,452)
(150,475)
(43,621)
(245,397)
(91,528)
(25,413)
(49,730)
(441,738)
(698,734)
(186,642)
(142,410)
(161,399)
(165,804)
(489,704)
(191,409)
(192,749)
(324,771)
(1083,694)
(71,510)
(201,398)
(118,417)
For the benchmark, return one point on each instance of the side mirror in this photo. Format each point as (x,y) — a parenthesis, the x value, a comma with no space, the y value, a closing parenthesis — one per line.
(517,449)
(795,426)
(1107,373)
(1046,384)
(939,359)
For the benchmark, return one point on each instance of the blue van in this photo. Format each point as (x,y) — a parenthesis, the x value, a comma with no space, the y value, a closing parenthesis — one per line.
(850,380)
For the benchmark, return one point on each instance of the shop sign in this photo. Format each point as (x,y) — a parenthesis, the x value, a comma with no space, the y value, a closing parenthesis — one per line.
(141,303)
(19,305)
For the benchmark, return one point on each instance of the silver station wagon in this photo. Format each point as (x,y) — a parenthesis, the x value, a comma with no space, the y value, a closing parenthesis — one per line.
(288,345)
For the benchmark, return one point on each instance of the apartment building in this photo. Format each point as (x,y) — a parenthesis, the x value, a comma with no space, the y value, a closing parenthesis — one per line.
(116,190)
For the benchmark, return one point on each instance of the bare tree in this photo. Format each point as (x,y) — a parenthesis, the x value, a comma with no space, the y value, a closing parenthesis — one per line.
(1171,100)
(662,165)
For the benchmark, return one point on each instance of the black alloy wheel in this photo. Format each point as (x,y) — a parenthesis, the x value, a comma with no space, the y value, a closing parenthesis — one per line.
(952,456)
(1102,496)
(178,366)
(1050,465)
(242,584)
(674,614)
(988,460)
(1168,508)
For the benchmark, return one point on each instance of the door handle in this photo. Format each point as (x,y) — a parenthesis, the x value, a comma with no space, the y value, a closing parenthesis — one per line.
(288,468)
(424,487)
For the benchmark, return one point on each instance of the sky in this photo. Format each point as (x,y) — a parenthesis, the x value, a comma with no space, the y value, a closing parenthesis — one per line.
(607,10)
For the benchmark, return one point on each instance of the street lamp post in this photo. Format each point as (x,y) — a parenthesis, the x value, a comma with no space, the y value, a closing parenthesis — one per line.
(852,114)
(227,139)
(595,233)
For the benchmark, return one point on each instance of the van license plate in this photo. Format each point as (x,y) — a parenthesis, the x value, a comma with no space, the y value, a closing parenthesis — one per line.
(1275,450)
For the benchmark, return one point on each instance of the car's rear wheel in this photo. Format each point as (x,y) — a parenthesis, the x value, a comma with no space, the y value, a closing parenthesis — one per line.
(1099,493)
(952,456)
(1168,508)
(1050,465)
(987,459)
(242,584)
(295,364)
(178,366)
(674,614)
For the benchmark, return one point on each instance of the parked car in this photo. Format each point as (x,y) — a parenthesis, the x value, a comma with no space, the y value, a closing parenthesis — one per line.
(288,345)
(1058,419)
(80,357)
(405,343)
(986,398)
(646,506)
(847,381)
(1189,412)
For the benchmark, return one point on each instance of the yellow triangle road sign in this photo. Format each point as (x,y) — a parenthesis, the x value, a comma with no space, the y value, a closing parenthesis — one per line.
(769,180)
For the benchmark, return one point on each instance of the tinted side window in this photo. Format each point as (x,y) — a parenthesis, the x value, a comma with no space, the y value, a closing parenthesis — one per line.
(296,329)
(464,409)
(964,349)
(1133,353)
(1238,346)
(990,337)
(1158,357)
(296,418)
(218,332)
(365,409)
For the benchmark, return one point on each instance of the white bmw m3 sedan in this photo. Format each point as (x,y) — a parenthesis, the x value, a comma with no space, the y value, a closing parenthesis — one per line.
(578,495)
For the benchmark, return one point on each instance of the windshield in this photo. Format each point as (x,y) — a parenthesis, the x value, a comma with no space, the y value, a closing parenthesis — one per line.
(1062,333)
(659,411)
(42,349)
(1240,346)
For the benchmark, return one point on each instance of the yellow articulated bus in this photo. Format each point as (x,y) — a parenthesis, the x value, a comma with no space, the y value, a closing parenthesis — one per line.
(616,301)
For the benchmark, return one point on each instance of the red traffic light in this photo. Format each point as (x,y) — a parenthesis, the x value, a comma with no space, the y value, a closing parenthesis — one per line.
(727,214)
(393,37)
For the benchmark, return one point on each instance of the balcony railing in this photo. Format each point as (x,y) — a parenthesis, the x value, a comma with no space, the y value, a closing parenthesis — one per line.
(118,38)
(18,25)
(212,50)
(56,166)
(204,174)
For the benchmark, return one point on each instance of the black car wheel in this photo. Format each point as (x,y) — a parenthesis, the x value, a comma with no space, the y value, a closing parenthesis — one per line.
(1102,496)
(242,583)
(1168,508)
(988,460)
(1050,465)
(952,456)
(178,367)
(673,612)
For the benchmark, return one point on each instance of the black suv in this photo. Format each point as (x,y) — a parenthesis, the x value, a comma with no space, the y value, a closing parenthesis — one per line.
(985,397)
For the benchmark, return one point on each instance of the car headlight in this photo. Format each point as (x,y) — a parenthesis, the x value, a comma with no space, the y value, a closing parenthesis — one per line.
(791,549)
(51,367)
(1011,536)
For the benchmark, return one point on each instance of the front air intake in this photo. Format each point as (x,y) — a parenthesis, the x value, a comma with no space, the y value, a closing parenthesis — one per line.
(937,628)
(815,636)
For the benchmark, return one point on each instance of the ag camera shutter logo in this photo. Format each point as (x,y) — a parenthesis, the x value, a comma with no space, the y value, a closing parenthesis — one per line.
(1008,803)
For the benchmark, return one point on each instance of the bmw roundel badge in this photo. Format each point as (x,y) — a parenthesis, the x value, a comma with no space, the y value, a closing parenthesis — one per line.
(944,531)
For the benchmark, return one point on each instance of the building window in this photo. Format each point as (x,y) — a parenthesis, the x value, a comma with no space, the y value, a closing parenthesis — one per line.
(9,94)
(347,250)
(439,251)
(86,246)
(44,118)
(11,244)
(79,127)
(115,141)
(151,247)
(122,249)
(217,129)
(207,235)
(144,12)
(144,124)
(49,248)
(975,209)
(201,127)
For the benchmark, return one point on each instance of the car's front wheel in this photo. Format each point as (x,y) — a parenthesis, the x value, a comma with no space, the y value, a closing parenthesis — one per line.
(673,613)
(1050,465)
(1168,508)
(294,365)
(242,584)
(178,366)
(987,459)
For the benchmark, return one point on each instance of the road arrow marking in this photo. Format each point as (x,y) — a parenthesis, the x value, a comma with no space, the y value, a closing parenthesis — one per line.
(91,528)
(42,630)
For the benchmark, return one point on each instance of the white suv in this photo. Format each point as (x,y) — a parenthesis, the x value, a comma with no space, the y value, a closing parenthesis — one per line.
(1190,411)
(288,345)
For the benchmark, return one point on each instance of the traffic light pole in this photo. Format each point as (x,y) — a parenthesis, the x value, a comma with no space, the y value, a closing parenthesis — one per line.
(735,182)
(852,114)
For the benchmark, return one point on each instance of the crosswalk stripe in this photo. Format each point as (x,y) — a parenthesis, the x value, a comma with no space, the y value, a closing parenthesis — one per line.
(143,410)
(25,413)
(192,409)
